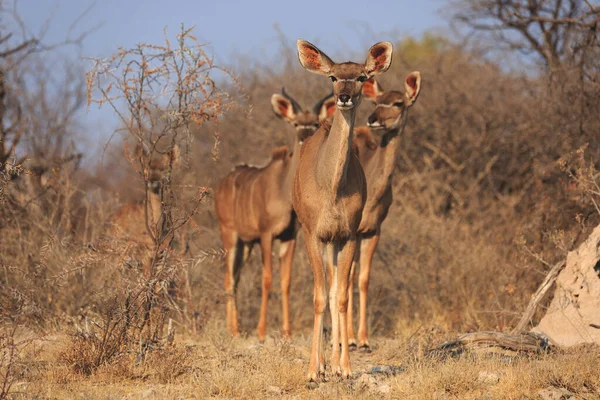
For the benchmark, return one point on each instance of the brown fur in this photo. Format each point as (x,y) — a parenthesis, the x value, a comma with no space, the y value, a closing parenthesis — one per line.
(255,205)
(363,138)
(139,222)
(279,153)
(378,160)
(329,194)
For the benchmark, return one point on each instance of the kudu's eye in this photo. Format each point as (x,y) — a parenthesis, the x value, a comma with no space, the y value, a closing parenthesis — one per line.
(362,78)
(398,104)
(333,78)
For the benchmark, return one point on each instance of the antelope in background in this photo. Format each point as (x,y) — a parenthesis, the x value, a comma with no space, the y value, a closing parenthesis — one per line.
(148,226)
(255,205)
(378,160)
(329,195)
(144,223)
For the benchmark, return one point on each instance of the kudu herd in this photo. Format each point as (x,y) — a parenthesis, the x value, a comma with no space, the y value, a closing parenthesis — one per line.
(335,184)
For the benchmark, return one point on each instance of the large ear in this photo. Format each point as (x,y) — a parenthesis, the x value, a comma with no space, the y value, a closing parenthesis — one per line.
(283,108)
(327,108)
(379,58)
(371,89)
(313,59)
(412,86)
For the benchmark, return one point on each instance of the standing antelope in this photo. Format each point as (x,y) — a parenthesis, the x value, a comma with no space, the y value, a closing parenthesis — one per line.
(144,224)
(148,228)
(329,194)
(378,160)
(255,204)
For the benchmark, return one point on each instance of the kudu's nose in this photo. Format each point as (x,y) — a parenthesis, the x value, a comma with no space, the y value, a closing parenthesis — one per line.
(372,119)
(344,98)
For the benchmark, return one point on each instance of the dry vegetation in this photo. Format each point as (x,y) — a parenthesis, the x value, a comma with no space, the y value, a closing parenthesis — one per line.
(496,181)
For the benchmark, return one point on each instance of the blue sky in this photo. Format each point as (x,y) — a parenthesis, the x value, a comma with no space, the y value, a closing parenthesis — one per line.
(232,28)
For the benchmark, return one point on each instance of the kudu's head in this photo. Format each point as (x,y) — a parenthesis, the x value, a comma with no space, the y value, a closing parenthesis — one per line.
(156,165)
(392,106)
(305,122)
(348,77)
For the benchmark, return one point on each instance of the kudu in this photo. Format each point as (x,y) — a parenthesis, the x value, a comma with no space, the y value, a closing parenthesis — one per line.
(329,194)
(151,234)
(378,160)
(144,224)
(255,205)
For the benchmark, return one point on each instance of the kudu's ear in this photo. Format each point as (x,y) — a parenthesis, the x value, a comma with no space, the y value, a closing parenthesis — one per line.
(379,58)
(412,86)
(283,108)
(371,89)
(327,108)
(313,59)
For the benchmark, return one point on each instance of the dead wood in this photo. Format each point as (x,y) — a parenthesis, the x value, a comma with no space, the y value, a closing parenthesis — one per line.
(539,294)
(494,342)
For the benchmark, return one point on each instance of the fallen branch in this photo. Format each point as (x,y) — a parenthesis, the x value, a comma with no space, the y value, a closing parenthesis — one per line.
(539,294)
(506,344)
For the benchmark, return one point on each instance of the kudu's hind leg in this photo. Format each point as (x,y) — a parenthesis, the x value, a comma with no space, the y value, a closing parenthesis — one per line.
(286,257)
(233,261)
(367,250)
(353,269)
(266,243)
(344,264)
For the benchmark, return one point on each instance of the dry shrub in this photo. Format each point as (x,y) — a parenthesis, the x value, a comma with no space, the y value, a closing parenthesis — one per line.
(166,365)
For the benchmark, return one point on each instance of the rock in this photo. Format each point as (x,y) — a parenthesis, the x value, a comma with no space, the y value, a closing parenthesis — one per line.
(149,393)
(275,390)
(489,378)
(387,370)
(552,393)
(384,388)
(366,380)
(573,317)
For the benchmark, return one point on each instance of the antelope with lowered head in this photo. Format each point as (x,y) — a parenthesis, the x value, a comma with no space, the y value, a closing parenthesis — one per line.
(255,205)
(329,195)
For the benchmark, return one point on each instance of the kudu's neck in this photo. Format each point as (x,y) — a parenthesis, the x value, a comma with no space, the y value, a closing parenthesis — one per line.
(388,153)
(290,172)
(154,212)
(332,168)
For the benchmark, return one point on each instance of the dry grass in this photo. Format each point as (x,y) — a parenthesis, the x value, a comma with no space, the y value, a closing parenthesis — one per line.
(214,365)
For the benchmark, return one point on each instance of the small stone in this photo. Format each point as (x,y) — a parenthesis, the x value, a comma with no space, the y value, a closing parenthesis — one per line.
(312,385)
(146,394)
(553,393)
(387,370)
(274,390)
(489,378)
(367,380)
(384,388)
